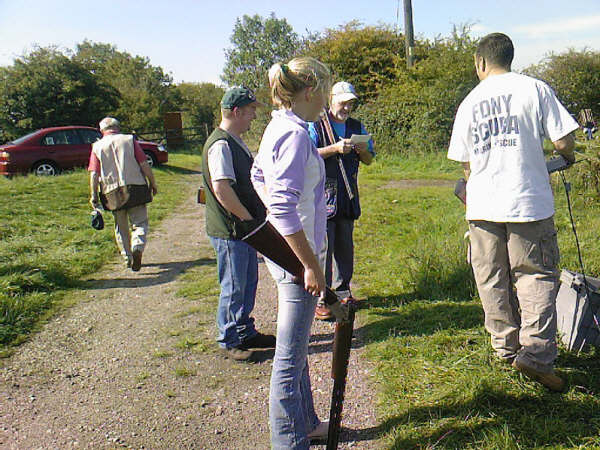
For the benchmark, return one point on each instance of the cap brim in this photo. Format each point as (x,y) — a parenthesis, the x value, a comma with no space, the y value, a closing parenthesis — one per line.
(344,97)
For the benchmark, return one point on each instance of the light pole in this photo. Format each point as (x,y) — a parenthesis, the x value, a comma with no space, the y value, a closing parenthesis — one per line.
(409,33)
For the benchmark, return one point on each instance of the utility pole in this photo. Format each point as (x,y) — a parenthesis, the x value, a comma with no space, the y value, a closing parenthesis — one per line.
(409,33)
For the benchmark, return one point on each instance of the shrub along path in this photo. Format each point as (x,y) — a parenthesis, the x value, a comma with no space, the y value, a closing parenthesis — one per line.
(134,363)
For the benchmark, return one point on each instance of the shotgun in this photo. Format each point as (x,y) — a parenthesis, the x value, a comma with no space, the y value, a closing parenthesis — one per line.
(331,136)
(266,240)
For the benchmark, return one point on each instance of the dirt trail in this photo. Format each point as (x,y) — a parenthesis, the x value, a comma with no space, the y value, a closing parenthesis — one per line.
(107,373)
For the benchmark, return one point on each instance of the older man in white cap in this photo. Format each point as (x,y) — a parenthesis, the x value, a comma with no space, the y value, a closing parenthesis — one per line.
(342,154)
(118,166)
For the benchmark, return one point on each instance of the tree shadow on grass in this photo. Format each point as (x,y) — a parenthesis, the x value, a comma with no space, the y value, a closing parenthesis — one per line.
(417,319)
(527,420)
(160,273)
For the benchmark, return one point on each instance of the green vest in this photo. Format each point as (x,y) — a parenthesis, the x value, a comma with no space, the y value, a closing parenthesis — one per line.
(221,223)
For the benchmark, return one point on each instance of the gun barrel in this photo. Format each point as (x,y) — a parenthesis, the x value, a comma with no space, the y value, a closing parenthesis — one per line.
(342,343)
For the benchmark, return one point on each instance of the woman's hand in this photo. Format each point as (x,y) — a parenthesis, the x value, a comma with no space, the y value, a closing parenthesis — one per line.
(314,281)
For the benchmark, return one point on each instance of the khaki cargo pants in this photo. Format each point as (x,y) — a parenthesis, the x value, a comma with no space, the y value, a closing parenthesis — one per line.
(132,237)
(522,321)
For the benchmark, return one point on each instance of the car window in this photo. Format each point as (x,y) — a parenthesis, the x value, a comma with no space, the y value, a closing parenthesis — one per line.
(89,136)
(23,138)
(62,137)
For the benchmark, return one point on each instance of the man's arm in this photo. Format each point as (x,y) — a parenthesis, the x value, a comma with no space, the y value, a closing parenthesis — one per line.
(94,189)
(565,147)
(147,171)
(228,198)
(341,147)
(365,156)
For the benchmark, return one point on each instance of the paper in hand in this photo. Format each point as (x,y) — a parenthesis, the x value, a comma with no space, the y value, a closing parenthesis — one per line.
(360,138)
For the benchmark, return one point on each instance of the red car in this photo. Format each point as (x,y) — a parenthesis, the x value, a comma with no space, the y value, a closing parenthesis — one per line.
(50,150)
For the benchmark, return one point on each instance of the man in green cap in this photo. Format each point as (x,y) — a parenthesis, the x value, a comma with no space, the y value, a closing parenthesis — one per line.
(232,206)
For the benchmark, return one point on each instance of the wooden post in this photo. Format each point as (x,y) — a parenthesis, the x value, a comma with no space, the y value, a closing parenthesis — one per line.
(409,33)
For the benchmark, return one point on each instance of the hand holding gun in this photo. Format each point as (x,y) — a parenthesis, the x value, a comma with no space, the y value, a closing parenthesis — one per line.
(555,164)
(267,240)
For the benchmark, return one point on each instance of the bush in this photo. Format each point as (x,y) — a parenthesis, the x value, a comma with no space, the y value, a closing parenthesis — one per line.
(575,76)
(365,56)
(414,113)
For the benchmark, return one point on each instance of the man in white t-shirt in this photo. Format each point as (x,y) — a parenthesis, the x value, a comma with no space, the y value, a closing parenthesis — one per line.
(498,134)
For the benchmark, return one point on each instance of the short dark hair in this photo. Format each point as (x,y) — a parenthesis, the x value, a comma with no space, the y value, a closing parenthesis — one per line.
(497,49)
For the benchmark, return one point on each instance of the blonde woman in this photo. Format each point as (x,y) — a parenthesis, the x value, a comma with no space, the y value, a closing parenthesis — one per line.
(289,175)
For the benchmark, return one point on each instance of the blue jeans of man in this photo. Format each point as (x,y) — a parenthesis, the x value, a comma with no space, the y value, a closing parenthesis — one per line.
(340,247)
(291,409)
(238,275)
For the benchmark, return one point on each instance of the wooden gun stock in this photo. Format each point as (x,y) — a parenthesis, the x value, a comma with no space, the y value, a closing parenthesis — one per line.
(267,240)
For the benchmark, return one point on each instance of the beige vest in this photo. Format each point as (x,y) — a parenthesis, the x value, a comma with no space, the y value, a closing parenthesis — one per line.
(118,166)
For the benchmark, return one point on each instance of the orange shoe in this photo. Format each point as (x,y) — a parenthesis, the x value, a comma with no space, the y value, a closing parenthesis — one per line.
(323,313)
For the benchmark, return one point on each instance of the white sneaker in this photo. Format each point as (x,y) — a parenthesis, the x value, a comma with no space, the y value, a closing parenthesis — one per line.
(320,432)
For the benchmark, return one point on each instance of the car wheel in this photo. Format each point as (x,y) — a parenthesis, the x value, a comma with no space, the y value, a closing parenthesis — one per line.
(151,159)
(45,168)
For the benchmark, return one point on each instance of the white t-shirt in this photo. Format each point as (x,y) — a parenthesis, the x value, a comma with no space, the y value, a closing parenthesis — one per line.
(499,129)
(220,161)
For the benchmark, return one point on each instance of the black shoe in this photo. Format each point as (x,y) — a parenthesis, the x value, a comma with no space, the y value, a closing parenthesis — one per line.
(136,264)
(237,353)
(259,340)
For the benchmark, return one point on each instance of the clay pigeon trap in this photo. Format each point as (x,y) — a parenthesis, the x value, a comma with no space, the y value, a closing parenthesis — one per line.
(576,312)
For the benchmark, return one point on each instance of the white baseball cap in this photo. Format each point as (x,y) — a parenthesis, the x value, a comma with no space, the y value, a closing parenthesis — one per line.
(342,91)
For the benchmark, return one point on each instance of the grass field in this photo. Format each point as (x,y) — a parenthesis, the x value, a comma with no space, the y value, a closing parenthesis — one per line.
(439,384)
(47,243)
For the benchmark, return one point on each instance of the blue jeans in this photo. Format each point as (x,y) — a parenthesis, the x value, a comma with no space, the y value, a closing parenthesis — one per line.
(340,247)
(238,276)
(291,409)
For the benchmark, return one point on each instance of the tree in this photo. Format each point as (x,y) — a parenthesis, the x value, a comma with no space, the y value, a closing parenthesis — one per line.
(145,91)
(200,103)
(258,43)
(575,76)
(46,88)
(415,111)
(365,56)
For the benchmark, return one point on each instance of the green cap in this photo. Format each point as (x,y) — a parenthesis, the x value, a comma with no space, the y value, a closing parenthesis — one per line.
(237,96)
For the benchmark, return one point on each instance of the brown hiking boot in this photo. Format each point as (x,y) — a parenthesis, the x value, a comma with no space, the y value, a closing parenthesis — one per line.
(550,379)
(136,264)
(323,313)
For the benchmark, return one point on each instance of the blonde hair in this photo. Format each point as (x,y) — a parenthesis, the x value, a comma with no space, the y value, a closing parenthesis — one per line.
(286,80)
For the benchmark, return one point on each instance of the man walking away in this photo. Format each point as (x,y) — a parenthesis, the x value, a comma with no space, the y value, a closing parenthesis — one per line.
(497,136)
(231,202)
(117,161)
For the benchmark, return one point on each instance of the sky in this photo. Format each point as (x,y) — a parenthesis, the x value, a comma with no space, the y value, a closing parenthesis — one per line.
(187,38)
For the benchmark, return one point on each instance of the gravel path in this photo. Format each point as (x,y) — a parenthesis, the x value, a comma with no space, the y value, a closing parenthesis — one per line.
(108,372)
